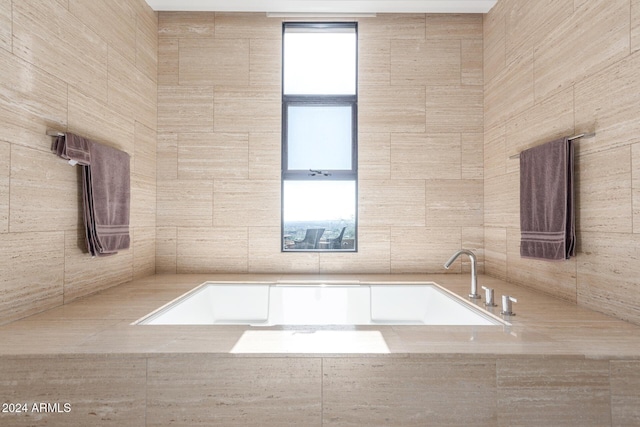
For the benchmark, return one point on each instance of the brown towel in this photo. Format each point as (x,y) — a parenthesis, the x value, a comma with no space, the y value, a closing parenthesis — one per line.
(547,223)
(106,191)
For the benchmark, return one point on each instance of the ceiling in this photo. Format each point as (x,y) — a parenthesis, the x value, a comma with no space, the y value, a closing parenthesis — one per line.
(326,6)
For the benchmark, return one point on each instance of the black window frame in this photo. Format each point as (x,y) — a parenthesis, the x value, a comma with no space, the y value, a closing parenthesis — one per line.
(320,100)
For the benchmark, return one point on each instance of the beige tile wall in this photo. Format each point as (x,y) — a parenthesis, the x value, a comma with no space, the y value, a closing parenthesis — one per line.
(420,144)
(210,389)
(90,68)
(553,69)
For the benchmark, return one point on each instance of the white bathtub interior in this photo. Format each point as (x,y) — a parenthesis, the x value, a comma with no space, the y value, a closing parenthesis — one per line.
(273,304)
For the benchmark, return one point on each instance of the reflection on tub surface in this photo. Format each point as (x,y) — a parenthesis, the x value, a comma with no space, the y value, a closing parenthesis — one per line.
(268,304)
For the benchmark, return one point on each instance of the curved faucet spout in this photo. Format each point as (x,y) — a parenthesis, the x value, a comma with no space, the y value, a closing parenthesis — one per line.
(474,275)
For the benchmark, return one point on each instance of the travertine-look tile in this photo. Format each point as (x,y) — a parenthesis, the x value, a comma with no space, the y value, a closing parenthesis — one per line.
(99,390)
(5,173)
(132,92)
(142,211)
(556,278)
(559,392)
(495,149)
(471,62)
(80,268)
(33,100)
(454,109)
(603,191)
(33,273)
(247,109)
(393,26)
(373,256)
(495,252)
(357,392)
(502,201)
(422,249)
(607,103)
(424,63)
(265,62)
(210,62)
(579,41)
(91,118)
(212,250)
(510,92)
(168,61)
(625,392)
(121,34)
(472,151)
(45,192)
(248,26)
(374,62)
(525,130)
(391,109)
(391,203)
(5,25)
(494,39)
(635,25)
(425,156)
(184,203)
(452,26)
(185,109)
(529,23)
(167,156)
(246,203)
(608,268)
(166,249)
(265,152)
(374,156)
(143,162)
(147,41)
(242,391)
(473,239)
(207,155)
(635,185)
(454,202)
(144,251)
(186,24)
(266,256)
(48,37)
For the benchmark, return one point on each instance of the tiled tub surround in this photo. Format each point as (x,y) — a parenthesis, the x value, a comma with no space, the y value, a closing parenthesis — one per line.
(557,364)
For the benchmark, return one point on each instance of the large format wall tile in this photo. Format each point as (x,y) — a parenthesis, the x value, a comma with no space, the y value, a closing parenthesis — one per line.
(5,25)
(33,273)
(577,49)
(635,25)
(421,249)
(558,392)
(635,186)
(246,203)
(266,256)
(454,202)
(213,155)
(99,391)
(210,62)
(185,109)
(53,39)
(452,108)
(185,203)
(391,109)
(241,391)
(425,156)
(247,109)
(5,173)
(625,392)
(608,269)
(358,392)
(425,63)
(391,203)
(212,250)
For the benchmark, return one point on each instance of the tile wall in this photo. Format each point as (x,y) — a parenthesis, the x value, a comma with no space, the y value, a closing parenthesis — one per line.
(89,67)
(218,159)
(557,68)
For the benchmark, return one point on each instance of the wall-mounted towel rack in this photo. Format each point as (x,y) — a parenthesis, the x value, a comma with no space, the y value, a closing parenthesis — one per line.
(54,133)
(571,138)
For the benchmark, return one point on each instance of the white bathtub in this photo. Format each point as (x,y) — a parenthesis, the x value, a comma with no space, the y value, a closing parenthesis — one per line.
(268,304)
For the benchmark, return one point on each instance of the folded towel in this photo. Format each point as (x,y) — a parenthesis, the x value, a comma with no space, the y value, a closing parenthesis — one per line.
(547,222)
(73,147)
(108,179)
(106,191)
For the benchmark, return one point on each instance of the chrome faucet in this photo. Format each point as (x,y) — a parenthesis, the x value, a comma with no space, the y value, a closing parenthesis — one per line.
(474,274)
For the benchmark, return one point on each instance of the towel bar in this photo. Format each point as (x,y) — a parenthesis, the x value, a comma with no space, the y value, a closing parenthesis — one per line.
(571,138)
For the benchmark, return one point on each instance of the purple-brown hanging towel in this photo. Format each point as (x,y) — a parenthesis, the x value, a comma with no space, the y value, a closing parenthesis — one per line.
(547,222)
(106,191)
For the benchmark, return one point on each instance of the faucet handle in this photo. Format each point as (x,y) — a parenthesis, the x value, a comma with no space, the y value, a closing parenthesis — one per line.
(488,297)
(506,305)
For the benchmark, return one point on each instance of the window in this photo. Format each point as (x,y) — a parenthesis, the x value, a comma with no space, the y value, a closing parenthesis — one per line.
(319,136)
